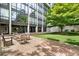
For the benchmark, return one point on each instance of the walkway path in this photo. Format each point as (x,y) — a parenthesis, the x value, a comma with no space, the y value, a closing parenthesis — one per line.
(40,47)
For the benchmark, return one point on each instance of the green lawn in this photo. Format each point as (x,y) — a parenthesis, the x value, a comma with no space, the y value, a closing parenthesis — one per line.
(59,37)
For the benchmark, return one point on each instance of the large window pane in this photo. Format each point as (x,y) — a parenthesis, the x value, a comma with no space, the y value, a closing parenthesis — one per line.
(13,15)
(4,13)
(31,20)
(4,4)
(4,18)
(13,5)
(30,10)
(22,6)
(35,5)
(26,11)
(35,21)
(18,6)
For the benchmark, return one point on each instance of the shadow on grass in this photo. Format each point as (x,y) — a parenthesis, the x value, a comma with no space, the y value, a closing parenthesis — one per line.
(65,33)
(69,41)
(53,39)
(73,42)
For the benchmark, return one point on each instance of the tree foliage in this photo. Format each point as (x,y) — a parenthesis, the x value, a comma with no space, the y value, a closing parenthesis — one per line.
(62,14)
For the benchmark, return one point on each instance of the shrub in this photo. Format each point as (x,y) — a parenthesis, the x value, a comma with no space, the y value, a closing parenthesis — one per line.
(73,33)
(66,30)
(73,30)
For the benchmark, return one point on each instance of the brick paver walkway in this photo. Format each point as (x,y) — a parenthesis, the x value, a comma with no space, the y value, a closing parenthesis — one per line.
(40,47)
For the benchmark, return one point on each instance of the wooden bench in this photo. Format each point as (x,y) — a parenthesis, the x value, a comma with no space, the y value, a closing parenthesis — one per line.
(22,38)
(7,41)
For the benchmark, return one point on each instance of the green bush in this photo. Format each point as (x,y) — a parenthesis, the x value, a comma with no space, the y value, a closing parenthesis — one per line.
(66,30)
(73,30)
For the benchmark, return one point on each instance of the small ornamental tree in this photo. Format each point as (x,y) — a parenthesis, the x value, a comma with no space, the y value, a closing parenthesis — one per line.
(21,17)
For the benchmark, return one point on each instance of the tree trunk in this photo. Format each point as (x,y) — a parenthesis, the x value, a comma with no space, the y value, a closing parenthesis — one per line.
(61,27)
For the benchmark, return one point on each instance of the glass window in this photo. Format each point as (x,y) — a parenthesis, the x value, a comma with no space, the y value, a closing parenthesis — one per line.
(35,21)
(35,5)
(0,11)
(40,9)
(30,10)
(39,15)
(4,3)
(26,11)
(30,4)
(4,17)
(4,12)
(39,22)
(32,20)
(26,3)
(14,5)
(13,15)
(22,6)
(18,6)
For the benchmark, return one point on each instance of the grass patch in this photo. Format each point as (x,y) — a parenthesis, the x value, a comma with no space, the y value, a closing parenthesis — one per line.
(73,42)
(67,38)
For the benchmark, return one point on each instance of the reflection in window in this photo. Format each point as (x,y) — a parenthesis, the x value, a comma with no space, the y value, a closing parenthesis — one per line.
(18,6)
(30,10)
(32,20)
(22,6)
(39,22)
(4,3)
(3,17)
(13,15)
(35,21)
(26,11)
(40,9)
(35,5)
(30,4)
(4,13)
(14,5)
(39,15)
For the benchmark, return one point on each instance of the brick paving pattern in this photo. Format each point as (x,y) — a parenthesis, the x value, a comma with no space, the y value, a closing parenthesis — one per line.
(40,47)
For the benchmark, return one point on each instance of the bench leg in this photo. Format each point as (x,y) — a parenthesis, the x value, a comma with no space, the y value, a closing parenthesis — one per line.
(11,42)
(4,43)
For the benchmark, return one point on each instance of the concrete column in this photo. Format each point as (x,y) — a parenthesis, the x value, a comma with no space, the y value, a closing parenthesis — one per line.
(28,26)
(42,18)
(10,30)
(37,18)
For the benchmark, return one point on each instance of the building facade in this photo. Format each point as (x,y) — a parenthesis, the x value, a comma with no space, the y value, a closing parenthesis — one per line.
(23,17)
